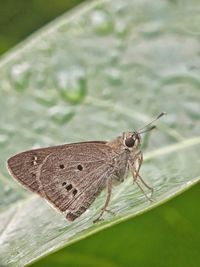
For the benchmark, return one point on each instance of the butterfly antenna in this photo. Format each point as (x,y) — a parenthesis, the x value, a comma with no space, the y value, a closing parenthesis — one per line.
(143,130)
(148,129)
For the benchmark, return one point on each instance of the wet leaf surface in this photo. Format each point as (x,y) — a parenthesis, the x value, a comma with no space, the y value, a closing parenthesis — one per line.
(106,68)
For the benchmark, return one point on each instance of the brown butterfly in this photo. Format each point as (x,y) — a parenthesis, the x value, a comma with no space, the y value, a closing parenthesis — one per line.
(71,176)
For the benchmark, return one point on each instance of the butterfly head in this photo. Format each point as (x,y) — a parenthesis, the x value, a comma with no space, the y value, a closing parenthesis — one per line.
(132,140)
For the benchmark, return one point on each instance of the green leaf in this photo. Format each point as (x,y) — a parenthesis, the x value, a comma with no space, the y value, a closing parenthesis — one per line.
(108,67)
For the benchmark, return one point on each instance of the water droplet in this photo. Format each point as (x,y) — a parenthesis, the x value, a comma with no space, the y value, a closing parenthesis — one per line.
(193,109)
(20,74)
(101,22)
(191,22)
(41,80)
(60,114)
(121,29)
(151,30)
(120,7)
(3,139)
(46,98)
(114,56)
(44,46)
(40,126)
(8,129)
(72,85)
(114,76)
(6,189)
(106,92)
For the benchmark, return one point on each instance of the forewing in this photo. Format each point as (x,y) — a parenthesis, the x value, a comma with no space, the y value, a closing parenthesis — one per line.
(69,176)
(25,167)
(71,181)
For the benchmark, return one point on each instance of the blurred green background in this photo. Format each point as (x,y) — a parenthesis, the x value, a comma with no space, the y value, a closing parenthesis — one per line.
(18,19)
(167,236)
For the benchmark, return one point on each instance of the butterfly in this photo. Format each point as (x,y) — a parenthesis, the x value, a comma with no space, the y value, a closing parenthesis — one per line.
(71,176)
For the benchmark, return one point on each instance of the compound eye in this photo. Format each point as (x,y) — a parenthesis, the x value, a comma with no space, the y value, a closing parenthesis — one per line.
(129,142)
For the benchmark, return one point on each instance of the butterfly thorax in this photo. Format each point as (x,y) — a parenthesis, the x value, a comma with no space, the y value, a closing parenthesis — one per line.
(124,154)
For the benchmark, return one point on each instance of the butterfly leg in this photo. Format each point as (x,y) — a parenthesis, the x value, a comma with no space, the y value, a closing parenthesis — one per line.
(135,169)
(145,184)
(110,211)
(147,197)
(137,177)
(139,158)
(109,190)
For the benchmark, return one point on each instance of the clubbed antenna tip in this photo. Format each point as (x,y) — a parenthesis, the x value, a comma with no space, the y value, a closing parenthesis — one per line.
(160,115)
(150,123)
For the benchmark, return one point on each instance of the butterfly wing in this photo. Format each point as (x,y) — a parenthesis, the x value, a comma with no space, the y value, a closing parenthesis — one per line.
(68,176)
(72,185)
(25,167)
